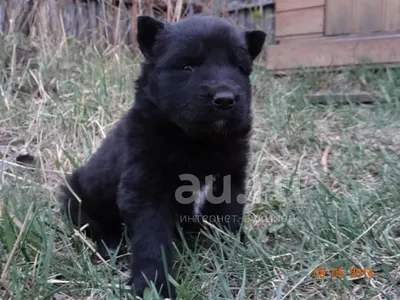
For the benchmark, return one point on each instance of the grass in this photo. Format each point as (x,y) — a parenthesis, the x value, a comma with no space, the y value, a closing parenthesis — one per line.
(55,111)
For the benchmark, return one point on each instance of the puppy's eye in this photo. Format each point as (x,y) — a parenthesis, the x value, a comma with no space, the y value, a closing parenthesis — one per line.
(241,69)
(244,70)
(188,68)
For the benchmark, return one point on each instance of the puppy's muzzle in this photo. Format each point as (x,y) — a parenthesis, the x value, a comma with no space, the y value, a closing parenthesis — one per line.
(222,96)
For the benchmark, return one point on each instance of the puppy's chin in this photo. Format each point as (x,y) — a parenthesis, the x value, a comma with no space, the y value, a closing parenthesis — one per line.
(212,128)
(219,125)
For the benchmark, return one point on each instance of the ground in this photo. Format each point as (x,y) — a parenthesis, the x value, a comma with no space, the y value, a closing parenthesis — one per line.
(323,185)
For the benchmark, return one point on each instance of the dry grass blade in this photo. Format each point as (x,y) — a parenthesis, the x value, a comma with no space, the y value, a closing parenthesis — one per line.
(178,10)
(169,11)
(324,159)
(134,15)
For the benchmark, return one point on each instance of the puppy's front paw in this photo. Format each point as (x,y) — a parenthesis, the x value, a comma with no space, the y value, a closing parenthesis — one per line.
(234,226)
(142,272)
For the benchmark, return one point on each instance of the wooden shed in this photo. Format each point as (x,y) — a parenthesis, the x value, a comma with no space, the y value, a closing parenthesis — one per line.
(334,33)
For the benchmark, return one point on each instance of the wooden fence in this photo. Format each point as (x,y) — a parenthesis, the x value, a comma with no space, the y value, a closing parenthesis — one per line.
(84,20)
(115,21)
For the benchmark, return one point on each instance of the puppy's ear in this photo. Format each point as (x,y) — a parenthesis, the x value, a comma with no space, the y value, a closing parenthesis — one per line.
(147,30)
(255,42)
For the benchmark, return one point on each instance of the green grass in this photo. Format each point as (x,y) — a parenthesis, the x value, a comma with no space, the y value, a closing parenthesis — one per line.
(299,217)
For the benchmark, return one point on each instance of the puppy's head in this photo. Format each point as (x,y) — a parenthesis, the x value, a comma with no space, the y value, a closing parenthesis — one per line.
(197,72)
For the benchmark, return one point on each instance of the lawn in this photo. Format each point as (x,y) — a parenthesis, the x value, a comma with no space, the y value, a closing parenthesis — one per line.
(322,214)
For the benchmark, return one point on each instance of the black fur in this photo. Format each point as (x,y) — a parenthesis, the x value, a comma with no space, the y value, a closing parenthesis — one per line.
(192,115)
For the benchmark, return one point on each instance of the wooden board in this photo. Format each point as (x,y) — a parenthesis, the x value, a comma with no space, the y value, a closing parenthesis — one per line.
(304,21)
(299,38)
(339,17)
(283,5)
(361,16)
(391,15)
(367,16)
(335,52)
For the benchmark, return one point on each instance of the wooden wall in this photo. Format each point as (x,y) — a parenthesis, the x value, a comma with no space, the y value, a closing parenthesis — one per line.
(299,18)
(334,33)
(362,16)
(317,18)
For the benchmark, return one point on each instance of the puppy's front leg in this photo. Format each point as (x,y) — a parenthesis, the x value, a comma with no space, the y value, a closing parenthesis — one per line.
(150,225)
(231,203)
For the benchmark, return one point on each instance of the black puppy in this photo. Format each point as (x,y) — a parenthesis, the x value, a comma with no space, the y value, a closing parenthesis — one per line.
(191,121)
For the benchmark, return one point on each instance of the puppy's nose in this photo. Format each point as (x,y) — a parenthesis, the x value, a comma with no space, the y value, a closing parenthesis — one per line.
(224,100)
